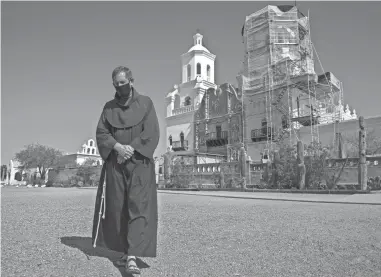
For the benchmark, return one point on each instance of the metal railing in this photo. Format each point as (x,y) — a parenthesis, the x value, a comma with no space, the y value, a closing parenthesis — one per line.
(262,132)
(215,135)
(185,109)
(180,144)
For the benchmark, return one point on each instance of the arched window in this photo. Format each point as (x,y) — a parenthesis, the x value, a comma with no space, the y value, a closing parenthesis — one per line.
(91,143)
(18,176)
(198,69)
(264,126)
(177,101)
(189,72)
(93,151)
(182,139)
(170,139)
(208,72)
(285,124)
(187,101)
(88,150)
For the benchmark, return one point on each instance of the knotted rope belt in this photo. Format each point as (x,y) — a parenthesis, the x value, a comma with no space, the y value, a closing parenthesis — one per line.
(102,208)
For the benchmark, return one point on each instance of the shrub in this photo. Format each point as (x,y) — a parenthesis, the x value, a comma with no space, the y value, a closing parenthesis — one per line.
(374,183)
(231,178)
(182,174)
(286,169)
(87,174)
(282,173)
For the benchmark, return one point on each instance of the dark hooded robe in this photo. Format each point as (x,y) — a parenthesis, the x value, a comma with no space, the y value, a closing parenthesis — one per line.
(131,215)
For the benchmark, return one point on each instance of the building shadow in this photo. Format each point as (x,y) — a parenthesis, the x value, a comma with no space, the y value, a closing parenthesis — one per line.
(84,244)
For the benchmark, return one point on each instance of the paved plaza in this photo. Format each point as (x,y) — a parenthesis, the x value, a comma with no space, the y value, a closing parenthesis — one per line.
(46,232)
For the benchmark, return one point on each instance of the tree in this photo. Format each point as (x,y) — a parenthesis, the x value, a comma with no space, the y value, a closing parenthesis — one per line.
(89,162)
(38,156)
(86,171)
(373,143)
(4,171)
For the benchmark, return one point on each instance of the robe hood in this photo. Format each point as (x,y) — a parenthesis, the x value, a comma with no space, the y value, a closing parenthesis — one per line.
(120,116)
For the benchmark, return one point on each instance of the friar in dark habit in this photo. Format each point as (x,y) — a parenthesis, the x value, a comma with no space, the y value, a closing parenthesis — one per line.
(126,214)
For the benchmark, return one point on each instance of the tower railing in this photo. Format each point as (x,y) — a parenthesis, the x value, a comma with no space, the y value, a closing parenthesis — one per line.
(182,110)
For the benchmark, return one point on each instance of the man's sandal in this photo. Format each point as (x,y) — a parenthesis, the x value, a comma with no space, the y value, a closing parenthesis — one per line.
(132,268)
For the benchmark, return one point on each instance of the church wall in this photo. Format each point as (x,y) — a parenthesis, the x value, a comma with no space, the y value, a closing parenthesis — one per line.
(255,107)
(235,128)
(73,159)
(170,105)
(326,134)
(218,104)
(177,102)
(185,61)
(82,158)
(181,124)
(221,150)
(200,114)
(210,126)
(200,136)
(187,92)
(209,159)
(254,149)
(347,128)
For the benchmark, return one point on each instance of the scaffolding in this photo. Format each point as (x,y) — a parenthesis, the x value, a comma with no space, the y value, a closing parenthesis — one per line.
(279,61)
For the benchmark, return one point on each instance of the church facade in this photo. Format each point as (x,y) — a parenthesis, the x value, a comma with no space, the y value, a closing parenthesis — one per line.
(88,151)
(202,120)
(207,121)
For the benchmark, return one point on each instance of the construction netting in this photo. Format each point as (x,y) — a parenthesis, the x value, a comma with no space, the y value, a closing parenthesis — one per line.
(277,44)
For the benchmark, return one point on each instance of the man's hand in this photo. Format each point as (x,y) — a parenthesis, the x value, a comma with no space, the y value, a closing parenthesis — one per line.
(120,159)
(130,151)
(125,151)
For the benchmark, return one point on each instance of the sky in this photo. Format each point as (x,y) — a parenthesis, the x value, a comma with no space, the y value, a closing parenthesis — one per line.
(57,58)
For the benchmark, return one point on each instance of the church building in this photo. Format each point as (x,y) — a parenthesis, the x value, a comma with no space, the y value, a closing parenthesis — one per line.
(201,120)
(88,151)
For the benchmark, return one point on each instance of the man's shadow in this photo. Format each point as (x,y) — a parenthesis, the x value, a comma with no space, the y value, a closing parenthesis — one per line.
(84,244)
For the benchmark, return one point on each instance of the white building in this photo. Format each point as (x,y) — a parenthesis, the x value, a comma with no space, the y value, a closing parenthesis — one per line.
(88,150)
(16,174)
(182,102)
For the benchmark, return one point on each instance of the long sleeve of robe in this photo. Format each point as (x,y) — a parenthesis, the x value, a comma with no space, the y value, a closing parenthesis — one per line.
(148,139)
(106,141)
(131,214)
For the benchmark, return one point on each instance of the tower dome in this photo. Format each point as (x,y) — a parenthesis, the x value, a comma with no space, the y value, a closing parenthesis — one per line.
(197,38)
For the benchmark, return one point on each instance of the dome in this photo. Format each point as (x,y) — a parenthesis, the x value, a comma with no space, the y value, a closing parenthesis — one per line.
(198,47)
(197,44)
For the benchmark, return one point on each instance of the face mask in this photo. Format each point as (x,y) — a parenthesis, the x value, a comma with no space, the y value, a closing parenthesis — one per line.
(124,90)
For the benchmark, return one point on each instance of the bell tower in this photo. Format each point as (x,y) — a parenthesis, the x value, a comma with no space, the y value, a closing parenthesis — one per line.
(198,62)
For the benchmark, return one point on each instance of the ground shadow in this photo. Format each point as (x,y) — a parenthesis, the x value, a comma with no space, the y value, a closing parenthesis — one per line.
(84,244)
